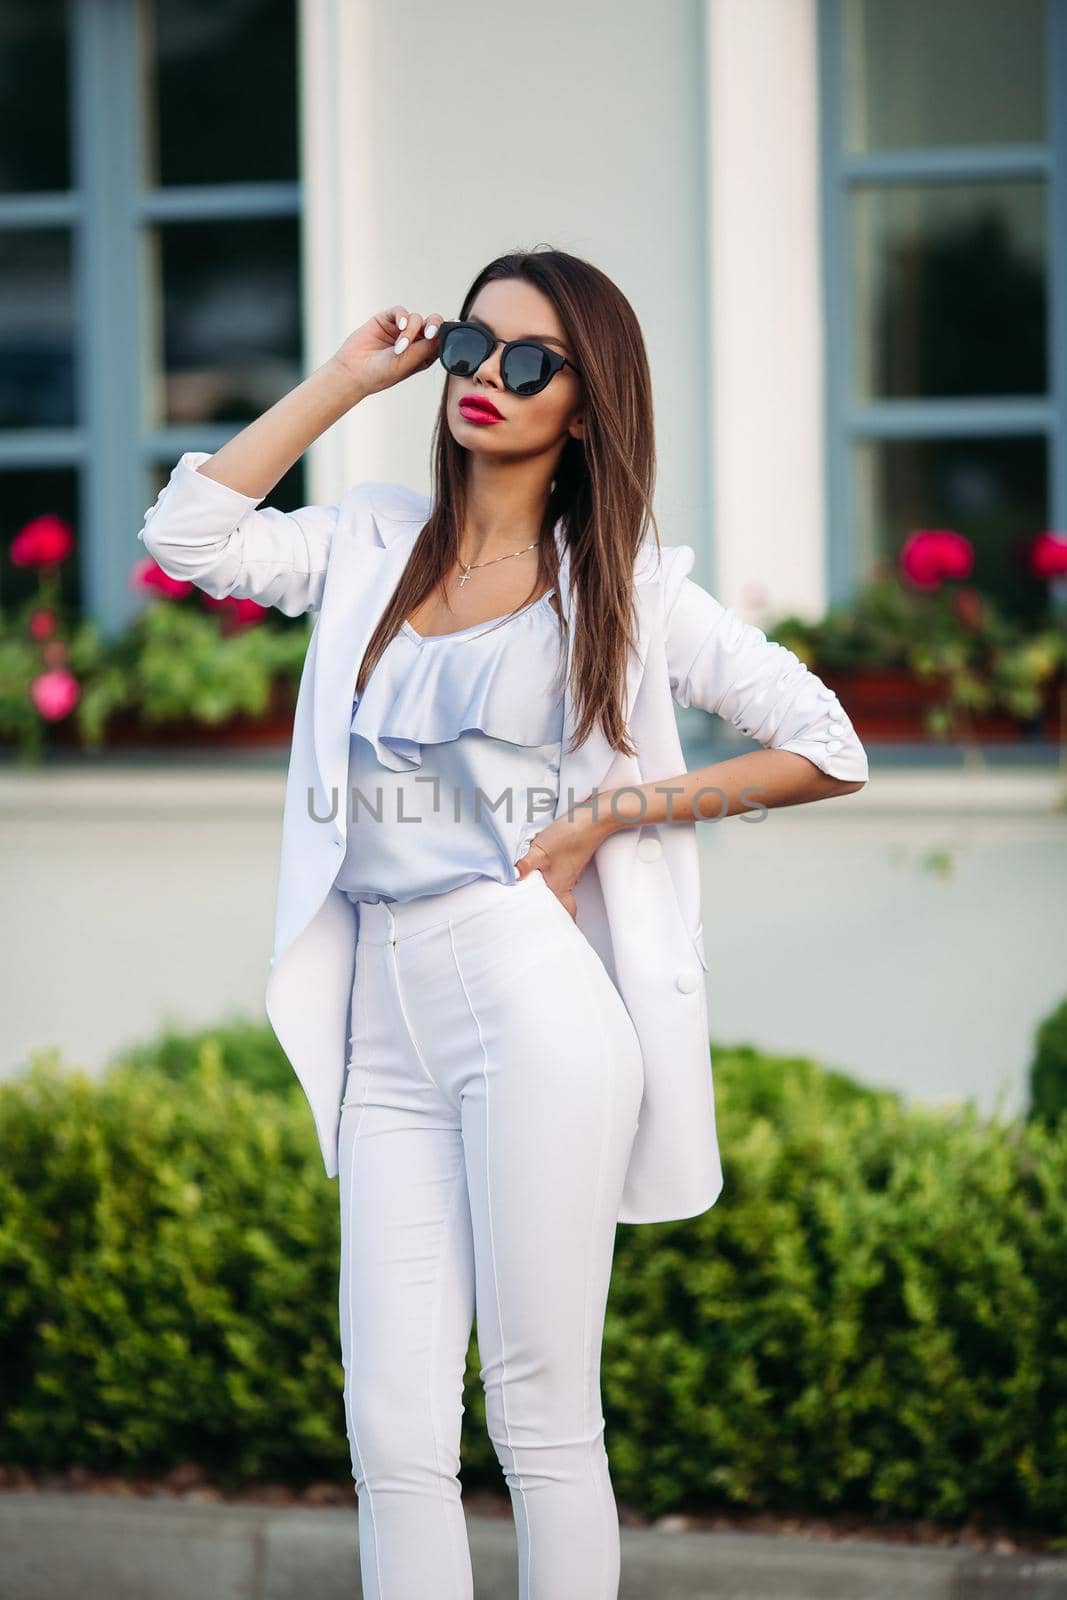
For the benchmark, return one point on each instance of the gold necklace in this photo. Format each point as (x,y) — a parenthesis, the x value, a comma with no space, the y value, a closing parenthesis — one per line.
(468,566)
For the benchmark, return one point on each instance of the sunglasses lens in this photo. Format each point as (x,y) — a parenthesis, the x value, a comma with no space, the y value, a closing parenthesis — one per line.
(526,369)
(463,350)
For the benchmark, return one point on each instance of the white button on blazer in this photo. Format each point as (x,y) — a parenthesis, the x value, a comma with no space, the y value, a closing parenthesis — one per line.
(638,901)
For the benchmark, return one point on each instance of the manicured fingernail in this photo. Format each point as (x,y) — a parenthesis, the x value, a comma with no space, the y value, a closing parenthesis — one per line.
(400,346)
(430,330)
(402,323)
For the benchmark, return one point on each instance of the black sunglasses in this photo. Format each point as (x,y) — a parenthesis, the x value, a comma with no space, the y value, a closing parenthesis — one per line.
(525,366)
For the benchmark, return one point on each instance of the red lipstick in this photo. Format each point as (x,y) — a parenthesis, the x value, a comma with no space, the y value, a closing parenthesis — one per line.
(477,409)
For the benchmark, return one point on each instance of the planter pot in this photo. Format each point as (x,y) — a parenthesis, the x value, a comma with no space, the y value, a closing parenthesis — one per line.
(890,703)
(272,729)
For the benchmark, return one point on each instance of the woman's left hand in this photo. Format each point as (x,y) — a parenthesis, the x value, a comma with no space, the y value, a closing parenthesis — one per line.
(561,852)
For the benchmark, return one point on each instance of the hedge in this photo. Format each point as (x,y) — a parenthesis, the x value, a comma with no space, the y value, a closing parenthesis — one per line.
(872,1319)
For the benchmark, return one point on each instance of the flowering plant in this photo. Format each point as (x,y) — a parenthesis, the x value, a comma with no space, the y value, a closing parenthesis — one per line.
(927,619)
(186,656)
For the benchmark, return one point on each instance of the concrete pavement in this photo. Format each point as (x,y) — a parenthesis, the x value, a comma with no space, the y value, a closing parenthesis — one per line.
(56,1546)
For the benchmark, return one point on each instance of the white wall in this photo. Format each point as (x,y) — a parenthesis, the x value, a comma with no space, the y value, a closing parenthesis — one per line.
(577,126)
(134,897)
(676,146)
(766,328)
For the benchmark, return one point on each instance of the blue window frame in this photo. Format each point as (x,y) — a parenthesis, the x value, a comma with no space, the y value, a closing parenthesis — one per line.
(150,259)
(943,136)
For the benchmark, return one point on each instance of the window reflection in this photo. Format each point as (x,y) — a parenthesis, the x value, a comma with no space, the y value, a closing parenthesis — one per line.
(36,328)
(950,290)
(229,321)
(34,97)
(288,494)
(991,490)
(937,72)
(222,103)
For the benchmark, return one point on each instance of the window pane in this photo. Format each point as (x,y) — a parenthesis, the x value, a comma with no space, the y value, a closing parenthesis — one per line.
(993,491)
(36,492)
(936,72)
(36,329)
(221,85)
(34,97)
(229,325)
(949,290)
(287,495)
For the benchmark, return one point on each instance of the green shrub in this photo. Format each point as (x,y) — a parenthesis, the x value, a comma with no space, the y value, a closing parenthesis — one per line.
(873,1318)
(244,1050)
(169,1290)
(1048,1070)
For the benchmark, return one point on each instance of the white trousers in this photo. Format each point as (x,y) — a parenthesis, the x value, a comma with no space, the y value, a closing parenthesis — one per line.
(490,1106)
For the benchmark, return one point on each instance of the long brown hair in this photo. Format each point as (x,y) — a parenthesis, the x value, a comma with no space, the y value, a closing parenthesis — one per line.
(602,488)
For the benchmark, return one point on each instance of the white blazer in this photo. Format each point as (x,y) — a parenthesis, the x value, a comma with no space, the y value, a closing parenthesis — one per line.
(638,900)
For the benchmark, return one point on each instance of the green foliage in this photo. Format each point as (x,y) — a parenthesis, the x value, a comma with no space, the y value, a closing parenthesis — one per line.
(892,624)
(20,722)
(175,661)
(1048,1070)
(874,630)
(104,687)
(167,1256)
(872,1318)
(184,667)
(983,661)
(244,1050)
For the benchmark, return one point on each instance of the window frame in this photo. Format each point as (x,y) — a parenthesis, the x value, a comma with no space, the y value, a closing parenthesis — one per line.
(112,447)
(848,422)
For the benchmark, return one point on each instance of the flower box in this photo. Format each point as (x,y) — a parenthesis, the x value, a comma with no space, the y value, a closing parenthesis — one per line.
(273,729)
(892,704)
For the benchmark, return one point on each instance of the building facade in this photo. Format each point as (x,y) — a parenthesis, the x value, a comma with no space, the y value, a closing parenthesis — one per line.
(842,224)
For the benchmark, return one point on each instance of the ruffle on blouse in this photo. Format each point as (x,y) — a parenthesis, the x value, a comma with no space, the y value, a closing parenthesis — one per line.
(431,691)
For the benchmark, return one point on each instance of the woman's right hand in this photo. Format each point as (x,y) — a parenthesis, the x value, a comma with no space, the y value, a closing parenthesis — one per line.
(369,355)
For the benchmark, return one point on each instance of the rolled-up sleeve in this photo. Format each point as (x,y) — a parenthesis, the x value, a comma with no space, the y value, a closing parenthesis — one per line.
(730,667)
(213,536)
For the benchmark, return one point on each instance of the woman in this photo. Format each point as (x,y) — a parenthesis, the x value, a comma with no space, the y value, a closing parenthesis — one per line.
(483,969)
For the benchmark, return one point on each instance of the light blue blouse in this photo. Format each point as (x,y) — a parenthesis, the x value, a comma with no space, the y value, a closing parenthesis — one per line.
(454,756)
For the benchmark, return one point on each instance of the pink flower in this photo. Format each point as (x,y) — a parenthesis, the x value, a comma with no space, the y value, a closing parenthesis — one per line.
(55,693)
(249,610)
(42,542)
(42,623)
(239,611)
(148,576)
(930,555)
(1048,555)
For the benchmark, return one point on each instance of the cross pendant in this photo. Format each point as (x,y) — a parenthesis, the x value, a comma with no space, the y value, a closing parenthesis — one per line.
(464,578)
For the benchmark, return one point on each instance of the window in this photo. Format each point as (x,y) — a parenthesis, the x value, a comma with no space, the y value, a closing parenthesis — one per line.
(149,259)
(943,216)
